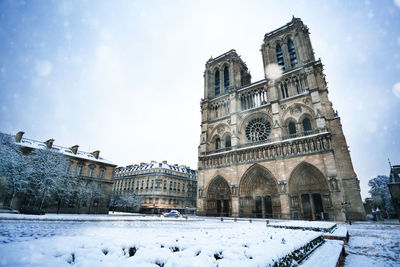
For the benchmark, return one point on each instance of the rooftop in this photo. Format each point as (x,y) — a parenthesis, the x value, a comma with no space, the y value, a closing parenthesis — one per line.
(156,165)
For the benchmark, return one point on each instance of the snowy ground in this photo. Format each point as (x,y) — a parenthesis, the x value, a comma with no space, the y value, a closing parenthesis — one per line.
(373,244)
(176,242)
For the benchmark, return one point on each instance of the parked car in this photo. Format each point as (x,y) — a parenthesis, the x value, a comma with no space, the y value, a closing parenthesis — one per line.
(4,209)
(31,210)
(172,213)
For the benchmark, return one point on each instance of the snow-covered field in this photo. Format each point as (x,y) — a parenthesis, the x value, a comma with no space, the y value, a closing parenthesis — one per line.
(177,242)
(373,244)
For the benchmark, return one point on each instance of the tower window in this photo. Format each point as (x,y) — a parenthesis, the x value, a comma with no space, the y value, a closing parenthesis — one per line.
(279,57)
(307,126)
(217,83)
(292,128)
(228,141)
(226,77)
(292,54)
(217,144)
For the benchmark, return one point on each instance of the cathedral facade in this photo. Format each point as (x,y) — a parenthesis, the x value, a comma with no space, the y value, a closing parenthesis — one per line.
(274,148)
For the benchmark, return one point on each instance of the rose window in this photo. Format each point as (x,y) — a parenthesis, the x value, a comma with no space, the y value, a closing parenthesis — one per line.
(258,130)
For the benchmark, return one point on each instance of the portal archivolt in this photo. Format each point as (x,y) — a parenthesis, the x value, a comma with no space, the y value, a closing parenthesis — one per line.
(258,193)
(219,197)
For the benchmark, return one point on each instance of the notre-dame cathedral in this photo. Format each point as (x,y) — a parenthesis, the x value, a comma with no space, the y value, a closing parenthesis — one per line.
(274,148)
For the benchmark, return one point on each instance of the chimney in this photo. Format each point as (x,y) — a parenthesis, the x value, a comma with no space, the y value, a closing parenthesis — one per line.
(96,154)
(18,136)
(49,143)
(165,162)
(75,149)
(142,163)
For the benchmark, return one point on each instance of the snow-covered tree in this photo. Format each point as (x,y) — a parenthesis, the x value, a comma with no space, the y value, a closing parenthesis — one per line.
(125,202)
(380,194)
(48,173)
(13,172)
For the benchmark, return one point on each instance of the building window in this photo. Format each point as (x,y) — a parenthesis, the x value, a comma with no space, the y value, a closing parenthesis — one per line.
(226,77)
(217,83)
(179,187)
(307,126)
(165,184)
(292,128)
(258,129)
(292,54)
(228,141)
(68,168)
(174,186)
(279,57)
(101,174)
(217,144)
(183,187)
(170,185)
(284,90)
(79,170)
(91,172)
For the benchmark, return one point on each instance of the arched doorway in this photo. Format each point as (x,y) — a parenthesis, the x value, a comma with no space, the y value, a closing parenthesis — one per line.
(219,198)
(309,192)
(258,193)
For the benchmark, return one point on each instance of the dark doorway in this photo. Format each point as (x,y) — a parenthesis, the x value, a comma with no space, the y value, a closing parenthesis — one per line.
(226,207)
(318,206)
(268,206)
(305,201)
(258,207)
(218,207)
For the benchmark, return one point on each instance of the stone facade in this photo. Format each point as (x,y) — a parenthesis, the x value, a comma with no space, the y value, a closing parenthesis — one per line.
(160,186)
(274,148)
(93,173)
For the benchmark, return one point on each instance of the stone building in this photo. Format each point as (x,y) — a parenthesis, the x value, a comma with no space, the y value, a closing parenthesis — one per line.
(160,186)
(93,173)
(275,147)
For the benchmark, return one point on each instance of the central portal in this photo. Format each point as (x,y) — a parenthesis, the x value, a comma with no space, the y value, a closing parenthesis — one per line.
(258,193)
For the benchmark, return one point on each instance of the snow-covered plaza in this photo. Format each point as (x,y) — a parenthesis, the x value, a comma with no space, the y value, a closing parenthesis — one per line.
(101,240)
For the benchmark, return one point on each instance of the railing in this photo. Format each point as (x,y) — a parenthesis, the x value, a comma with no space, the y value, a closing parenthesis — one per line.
(306,144)
(253,98)
(219,108)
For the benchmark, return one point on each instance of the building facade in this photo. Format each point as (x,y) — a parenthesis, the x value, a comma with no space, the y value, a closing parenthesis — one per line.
(159,185)
(92,173)
(274,148)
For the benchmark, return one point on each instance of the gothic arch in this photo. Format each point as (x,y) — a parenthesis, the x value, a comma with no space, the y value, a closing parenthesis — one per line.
(309,192)
(258,191)
(219,197)
(307,178)
(248,118)
(304,110)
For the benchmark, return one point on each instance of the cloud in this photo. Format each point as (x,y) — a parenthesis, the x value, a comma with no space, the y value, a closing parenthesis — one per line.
(396,89)
(397,3)
(43,68)
(372,126)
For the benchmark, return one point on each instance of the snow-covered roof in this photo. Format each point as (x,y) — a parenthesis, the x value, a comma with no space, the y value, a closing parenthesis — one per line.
(155,165)
(64,150)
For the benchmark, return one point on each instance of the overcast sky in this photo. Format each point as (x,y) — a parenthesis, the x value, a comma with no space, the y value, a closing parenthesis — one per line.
(126,77)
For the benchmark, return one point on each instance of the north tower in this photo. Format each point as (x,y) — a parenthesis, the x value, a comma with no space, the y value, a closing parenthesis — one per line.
(274,148)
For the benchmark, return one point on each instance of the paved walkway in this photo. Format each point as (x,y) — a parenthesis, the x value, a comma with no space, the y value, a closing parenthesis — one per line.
(373,244)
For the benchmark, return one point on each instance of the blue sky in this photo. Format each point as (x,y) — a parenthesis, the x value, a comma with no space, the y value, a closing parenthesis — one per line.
(126,77)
